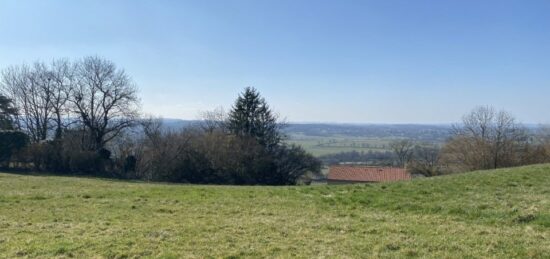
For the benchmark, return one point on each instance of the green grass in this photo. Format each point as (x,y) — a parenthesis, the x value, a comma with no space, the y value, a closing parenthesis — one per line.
(495,214)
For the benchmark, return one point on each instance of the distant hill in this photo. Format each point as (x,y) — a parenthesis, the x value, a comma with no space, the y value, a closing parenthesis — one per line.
(421,132)
(178,124)
(333,138)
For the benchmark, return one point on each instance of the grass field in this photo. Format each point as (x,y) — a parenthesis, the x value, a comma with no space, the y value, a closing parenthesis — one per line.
(495,214)
(319,146)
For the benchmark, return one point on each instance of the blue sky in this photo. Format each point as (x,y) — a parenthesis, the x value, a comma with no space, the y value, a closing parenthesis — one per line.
(333,61)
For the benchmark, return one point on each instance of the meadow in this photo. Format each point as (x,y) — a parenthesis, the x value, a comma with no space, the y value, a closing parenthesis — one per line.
(324,139)
(494,214)
(324,145)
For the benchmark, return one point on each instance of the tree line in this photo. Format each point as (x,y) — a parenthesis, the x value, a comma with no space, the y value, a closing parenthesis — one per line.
(485,139)
(83,116)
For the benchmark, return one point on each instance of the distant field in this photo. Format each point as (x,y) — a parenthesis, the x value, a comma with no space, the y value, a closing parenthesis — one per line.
(323,139)
(495,214)
(319,146)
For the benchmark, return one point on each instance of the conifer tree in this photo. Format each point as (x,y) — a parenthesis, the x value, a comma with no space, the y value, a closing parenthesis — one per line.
(7,112)
(250,116)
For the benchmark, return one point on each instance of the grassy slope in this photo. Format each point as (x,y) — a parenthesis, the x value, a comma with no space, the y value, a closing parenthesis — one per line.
(504,213)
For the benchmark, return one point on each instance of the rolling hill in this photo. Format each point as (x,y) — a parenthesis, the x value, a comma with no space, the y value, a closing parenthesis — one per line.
(502,214)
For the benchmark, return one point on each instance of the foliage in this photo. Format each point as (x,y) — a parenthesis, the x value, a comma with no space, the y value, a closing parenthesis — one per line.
(489,214)
(11,142)
(101,101)
(252,117)
(245,149)
(7,113)
(291,163)
(197,156)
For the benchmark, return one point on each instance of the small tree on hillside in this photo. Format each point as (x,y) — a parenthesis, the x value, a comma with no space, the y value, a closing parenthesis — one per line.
(262,157)
(425,160)
(252,117)
(403,150)
(487,139)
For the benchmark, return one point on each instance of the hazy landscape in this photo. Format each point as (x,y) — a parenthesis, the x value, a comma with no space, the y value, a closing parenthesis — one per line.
(274,129)
(330,138)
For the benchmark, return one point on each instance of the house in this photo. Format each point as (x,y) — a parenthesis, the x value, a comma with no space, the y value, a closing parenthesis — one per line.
(341,174)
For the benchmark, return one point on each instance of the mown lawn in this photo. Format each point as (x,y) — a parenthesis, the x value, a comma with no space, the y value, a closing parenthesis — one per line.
(496,214)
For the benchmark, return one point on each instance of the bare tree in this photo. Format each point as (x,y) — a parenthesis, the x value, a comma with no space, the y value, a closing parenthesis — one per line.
(509,139)
(214,120)
(403,150)
(475,132)
(40,93)
(63,80)
(30,89)
(105,100)
(162,152)
(425,160)
(152,129)
(486,139)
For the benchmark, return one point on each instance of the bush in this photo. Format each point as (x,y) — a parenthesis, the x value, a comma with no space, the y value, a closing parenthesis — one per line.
(11,142)
(215,157)
(84,162)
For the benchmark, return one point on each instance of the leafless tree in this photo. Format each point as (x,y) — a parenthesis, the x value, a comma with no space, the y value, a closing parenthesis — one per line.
(486,139)
(214,120)
(162,152)
(403,150)
(63,80)
(40,92)
(30,90)
(152,129)
(509,139)
(425,160)
(104,98)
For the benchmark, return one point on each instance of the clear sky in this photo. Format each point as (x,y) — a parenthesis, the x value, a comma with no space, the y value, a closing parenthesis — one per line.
(383,61)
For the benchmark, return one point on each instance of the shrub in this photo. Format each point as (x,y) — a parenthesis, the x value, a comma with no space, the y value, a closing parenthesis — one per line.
(11,142)
(84,162)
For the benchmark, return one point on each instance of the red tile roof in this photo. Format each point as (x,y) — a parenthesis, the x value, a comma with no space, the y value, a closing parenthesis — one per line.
(367,174)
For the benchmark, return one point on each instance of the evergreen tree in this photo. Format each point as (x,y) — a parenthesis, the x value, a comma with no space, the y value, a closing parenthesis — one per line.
(250,116)
(7,112)
(10,141)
